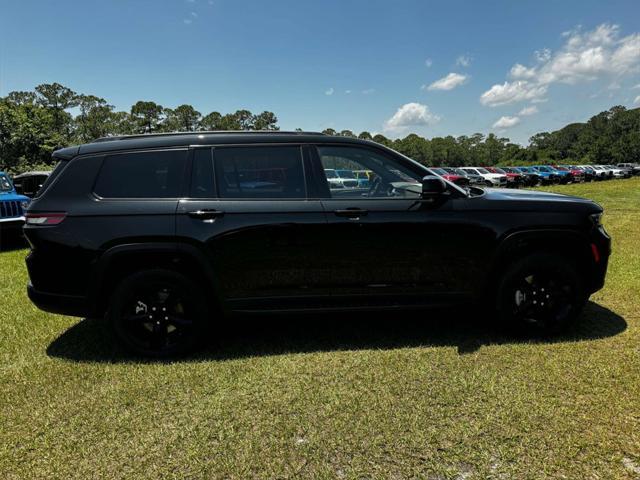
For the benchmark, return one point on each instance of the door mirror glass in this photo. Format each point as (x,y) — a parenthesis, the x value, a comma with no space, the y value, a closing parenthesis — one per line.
(433,186)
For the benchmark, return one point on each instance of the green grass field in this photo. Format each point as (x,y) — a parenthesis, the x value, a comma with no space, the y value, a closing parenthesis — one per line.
(417,396)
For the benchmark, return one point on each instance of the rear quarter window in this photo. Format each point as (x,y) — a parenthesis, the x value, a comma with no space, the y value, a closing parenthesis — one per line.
(150,174)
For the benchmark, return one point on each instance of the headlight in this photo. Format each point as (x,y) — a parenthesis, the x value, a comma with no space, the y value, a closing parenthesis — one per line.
(24,204)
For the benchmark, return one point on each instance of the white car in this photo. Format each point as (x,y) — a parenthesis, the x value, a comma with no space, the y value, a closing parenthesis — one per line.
(335,182)
(602,172)
(618,172)
(491,179)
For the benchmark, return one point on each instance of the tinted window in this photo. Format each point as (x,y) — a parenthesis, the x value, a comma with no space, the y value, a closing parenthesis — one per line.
(259,172)
(142,175)
(202,183)
(383,176)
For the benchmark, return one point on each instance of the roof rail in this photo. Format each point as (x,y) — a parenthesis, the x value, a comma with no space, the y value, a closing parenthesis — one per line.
(207,132)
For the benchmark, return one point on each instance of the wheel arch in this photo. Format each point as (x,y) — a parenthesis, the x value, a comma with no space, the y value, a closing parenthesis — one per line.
(122,260)
(571,244)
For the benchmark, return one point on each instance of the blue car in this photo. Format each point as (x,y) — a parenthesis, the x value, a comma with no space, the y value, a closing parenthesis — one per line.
(12,205)
(561,176)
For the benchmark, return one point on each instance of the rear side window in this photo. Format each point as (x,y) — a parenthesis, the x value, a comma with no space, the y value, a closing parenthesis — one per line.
(54,174)
(142,175)
(259,172)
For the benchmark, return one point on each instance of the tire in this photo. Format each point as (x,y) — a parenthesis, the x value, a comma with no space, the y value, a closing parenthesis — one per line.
(178,305)
(540,294)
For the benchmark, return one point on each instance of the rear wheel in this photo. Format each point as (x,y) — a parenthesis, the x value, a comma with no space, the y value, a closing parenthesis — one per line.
(541,293)
(159,313)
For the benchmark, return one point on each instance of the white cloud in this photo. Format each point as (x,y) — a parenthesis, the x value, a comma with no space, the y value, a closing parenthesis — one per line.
(194,14)
(411,114)
(368,91)
(428,62)
(585,56)
(449,82)
(187,21)
(347,92)
(542,55)
(511,92)
(532,110)
(635,87)
(463,61)
(520,72)
(506,122)
(329,91)
(637,100)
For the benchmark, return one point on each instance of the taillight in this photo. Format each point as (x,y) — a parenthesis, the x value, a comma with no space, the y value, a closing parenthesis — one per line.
(595,252)
(44,218)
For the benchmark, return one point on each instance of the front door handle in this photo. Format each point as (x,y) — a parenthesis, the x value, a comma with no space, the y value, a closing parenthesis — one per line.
(351,212)
(205,214)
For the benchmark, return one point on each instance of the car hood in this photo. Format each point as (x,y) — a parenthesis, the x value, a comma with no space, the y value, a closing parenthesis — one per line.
(533,200)
(12,196)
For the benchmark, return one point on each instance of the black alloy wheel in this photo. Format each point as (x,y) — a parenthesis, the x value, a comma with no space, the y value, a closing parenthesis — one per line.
(158,313)
(541,293)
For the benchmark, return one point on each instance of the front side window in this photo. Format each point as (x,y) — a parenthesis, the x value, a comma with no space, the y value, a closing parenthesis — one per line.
(259,172)
(385,177)
(5,183)
(152,174)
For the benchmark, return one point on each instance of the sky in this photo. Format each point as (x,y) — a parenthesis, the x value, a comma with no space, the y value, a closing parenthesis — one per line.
(434,68)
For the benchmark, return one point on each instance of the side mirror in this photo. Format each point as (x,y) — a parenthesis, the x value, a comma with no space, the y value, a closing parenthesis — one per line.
(433,186)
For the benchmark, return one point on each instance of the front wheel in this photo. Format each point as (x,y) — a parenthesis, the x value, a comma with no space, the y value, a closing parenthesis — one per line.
(541,293)
(158,313)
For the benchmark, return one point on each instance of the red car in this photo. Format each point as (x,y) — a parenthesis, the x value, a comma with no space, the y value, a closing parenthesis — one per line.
(457,179)
(513,179)
(577,175)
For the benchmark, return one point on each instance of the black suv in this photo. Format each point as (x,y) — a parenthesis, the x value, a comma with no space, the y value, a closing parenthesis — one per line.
(167,234)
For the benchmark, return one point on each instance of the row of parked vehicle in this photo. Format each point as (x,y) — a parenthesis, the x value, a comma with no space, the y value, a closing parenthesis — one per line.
(517,177)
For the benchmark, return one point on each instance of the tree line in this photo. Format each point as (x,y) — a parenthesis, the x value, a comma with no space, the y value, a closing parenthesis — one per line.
(35,123)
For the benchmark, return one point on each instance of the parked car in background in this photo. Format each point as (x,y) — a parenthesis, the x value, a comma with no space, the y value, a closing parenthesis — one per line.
(452,177)
(634,167)
(606,171)
(577,176)
(29,183)
(514,180)
(12,206)
(490,179)
(545,178)
(348,178)
(164,236)
(528,179)
(560,176)
(588,172)
(472,177)
(364,177)
(332,179)
(619,172)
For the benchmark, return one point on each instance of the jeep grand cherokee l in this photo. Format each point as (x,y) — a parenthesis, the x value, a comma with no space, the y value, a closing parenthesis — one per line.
(165,235)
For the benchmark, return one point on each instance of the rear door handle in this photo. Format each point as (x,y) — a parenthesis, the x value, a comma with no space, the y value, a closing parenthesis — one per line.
(351,212)
(205,214)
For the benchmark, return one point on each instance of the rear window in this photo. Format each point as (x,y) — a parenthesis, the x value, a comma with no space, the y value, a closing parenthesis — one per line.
(142,175)
(259,172)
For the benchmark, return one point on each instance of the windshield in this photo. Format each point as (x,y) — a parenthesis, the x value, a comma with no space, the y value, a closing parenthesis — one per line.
(499,170)
(459,171)
(330,174)
(544,169)
(5,183)
(439,171)
(482,170)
